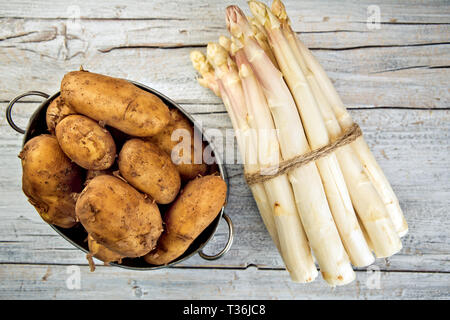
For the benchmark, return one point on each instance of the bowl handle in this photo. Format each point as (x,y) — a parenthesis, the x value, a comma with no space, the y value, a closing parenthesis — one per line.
(229,241)
(13,101)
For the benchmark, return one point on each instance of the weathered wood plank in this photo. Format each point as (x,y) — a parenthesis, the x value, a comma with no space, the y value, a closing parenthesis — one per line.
(108,35)
(400,64)
(411,145)
(50,282)
(362,76)
(308,10)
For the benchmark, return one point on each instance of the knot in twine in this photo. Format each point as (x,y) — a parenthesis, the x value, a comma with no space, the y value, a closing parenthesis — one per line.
(349,135)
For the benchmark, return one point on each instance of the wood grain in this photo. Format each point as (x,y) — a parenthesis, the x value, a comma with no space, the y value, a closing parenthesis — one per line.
(399,65)
(310,11)
(50,282)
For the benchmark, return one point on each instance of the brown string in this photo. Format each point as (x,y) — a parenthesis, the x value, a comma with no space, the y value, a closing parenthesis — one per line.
(349,135)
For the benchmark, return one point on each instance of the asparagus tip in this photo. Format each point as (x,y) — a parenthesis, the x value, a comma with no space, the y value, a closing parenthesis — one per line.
(231,18)
(237,23)
(256,26)
(199,62)
(225,42)
(217,55)
(195,55)
(236,45)
(211,50)
(263,14)
(279,10)
(206,71)
(258,10)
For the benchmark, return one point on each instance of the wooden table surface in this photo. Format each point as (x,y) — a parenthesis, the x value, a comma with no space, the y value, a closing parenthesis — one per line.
(394,79)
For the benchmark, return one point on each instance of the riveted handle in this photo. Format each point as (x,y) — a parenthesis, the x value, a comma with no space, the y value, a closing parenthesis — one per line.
(13,101)
(227,246)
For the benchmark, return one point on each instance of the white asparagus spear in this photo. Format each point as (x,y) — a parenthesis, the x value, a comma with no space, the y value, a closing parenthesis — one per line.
(225,42)
(332,178)
(366,199)
(293,241)
(295,251)
(306,104)
(261,36)
(308,190)
(373,213)
(369,162)
(246,146)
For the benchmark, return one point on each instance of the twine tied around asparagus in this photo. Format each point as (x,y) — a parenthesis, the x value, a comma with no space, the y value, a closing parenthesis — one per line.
(349,135)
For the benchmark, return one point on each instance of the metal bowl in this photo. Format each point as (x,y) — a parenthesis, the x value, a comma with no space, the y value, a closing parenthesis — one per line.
(77,235)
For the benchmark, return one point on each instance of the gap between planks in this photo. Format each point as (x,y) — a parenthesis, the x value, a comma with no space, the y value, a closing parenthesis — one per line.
(168,46)
(219,267)
(192,103)
(411,23)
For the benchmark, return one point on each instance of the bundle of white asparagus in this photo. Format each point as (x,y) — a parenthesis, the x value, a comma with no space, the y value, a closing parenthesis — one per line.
(337,206)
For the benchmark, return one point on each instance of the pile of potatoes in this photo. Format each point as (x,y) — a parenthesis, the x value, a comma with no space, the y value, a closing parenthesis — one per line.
(108,163)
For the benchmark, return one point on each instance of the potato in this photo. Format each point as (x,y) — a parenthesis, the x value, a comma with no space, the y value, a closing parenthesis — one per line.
(86,143)
(117,102)
(149,170)
(56,111)
(101,252)
(50,179)
(185,161)
(194,209)
(118,217)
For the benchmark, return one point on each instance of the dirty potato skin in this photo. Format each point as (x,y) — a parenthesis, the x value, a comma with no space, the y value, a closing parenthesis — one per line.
(185,162)
(101,252)
(149,169)
(194,209)
(86,143)
(56,111)
(117,102)
(50,180)
(119,217)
